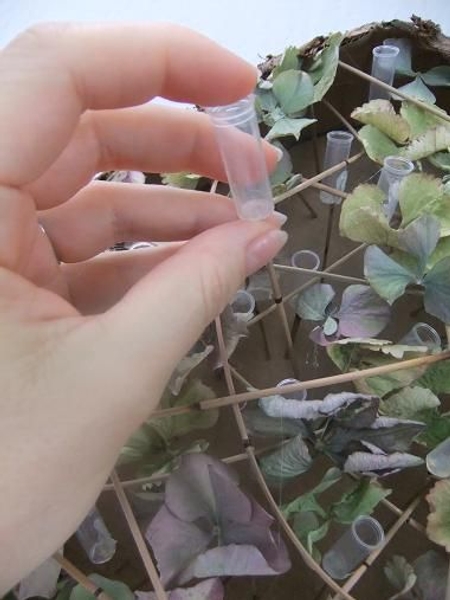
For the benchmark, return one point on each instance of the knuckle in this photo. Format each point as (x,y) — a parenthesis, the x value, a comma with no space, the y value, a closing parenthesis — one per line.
(41,35)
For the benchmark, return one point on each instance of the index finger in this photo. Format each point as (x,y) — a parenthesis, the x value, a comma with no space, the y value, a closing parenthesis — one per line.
(51,74)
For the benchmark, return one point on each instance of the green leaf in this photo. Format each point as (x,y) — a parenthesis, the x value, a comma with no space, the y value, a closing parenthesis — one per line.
(417,89)
(283,169)
(401,575)
(312,304)
(259,424)
(288,62)
(437,76)
(376,144)
(409,403)
(431,141)
(381,114)
(363,218)
(438,524)
(437,378)
(115,589)
(441,160)
(288,126)
(294,91)
(183,179)
(419,194)
(290,460)
(362,499)
(387,277)
(329,58)
(431,569)
(437,291)
(307,528)
(437,428)
(308,502)
(265,101)
(351,354)
(442,251)
(419,120)
(151,440)
(420,239)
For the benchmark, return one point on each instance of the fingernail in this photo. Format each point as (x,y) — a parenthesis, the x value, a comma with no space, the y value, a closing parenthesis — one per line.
(279,218)
(262,249)
(279,153)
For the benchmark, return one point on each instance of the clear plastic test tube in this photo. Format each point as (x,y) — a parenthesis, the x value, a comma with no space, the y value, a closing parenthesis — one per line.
(339,144)
(422,334)
(395,169)
(240,145)
(95,538)
(363,537)
(300,395)
(383,69)
(243,303)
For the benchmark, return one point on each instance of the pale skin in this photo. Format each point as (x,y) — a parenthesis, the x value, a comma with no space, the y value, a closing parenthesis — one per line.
(87,346)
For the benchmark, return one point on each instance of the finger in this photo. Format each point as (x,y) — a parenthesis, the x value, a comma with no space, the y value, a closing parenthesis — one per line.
(184,293)
(105,213)
(98,284)
(148,138)
(51,74)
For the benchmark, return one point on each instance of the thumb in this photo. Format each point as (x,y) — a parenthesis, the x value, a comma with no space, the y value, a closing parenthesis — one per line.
(163,315)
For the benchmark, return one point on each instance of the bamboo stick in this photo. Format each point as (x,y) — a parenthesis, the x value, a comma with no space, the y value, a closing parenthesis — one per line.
(128,483)
(306,183)
(306,385)
(230,383)
(138,537)
(326,381)
(427,107)
(278,297)
(80,577)
(324,273)
(310,562)
(256,470)
(342,119)
(308,284)
(329,189)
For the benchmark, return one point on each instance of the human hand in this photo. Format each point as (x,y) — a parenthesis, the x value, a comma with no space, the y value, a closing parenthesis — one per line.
(87,346)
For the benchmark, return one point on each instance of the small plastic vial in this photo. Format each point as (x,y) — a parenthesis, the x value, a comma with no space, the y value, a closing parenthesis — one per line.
(395,169)
(241,149)
(422,334)
(243,303)
(363,537)
(339,144)
(300,395)
(383,68)
(95,538)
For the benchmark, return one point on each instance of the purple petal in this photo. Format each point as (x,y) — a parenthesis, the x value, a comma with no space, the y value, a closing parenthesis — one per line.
(175,543)
(231,503)
(233,560)
(363,313)
(318,337)
(258,533)
(189,493)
